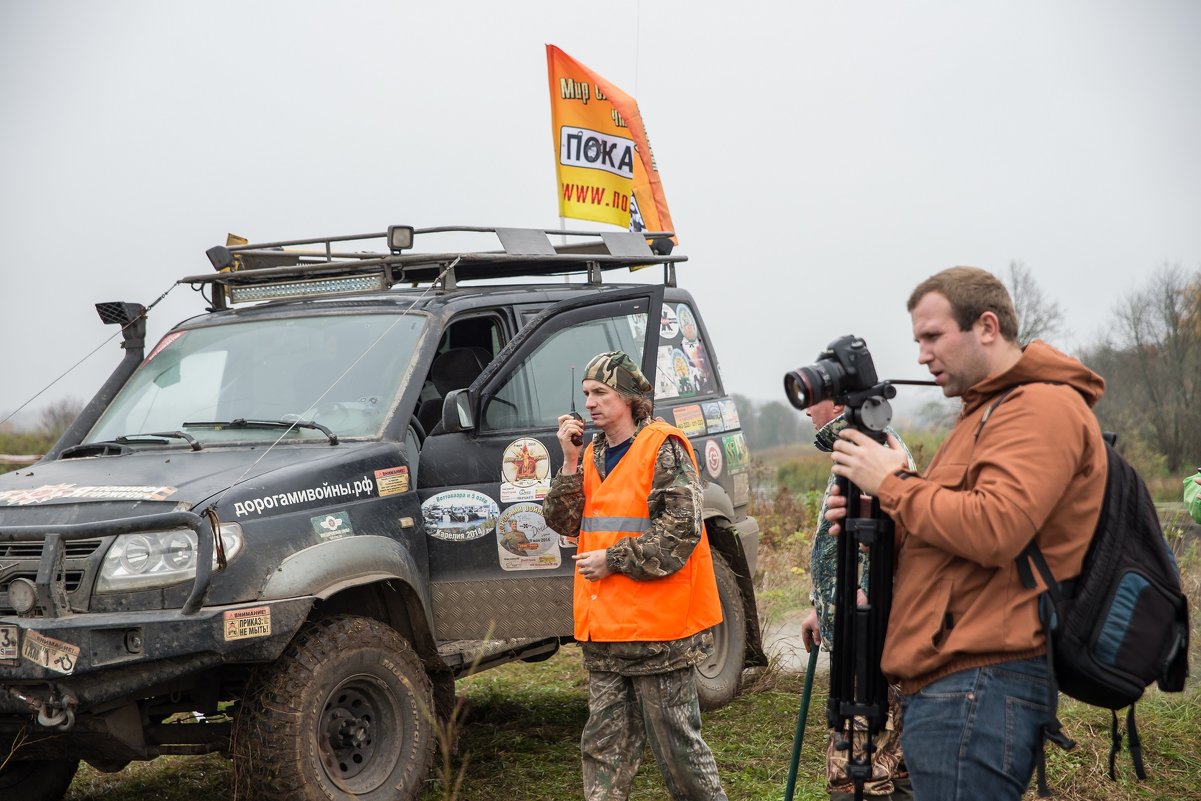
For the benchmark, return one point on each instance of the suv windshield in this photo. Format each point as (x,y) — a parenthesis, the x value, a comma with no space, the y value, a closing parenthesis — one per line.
(342,371)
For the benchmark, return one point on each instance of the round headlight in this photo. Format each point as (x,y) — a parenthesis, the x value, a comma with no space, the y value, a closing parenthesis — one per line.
(22,594)
(138,554)
(179,551)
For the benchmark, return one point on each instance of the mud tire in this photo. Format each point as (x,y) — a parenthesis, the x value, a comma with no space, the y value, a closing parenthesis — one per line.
(346,712)
(719,676)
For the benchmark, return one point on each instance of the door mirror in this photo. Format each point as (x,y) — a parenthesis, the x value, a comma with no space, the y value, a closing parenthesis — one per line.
(457,414)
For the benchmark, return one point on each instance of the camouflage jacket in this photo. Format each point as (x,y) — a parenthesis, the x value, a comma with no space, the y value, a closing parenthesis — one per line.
(823,561)
(675,504)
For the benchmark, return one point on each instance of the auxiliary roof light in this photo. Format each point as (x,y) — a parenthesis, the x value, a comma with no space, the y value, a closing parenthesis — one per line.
(374,282)
(400,237)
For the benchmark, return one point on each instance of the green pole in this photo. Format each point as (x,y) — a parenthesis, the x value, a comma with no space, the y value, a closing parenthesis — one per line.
(800,723)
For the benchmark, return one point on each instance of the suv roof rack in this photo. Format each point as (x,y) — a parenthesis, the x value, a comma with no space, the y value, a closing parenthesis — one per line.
(266,271)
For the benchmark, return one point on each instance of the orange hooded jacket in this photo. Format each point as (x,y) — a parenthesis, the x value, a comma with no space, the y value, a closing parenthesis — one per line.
(1037,469)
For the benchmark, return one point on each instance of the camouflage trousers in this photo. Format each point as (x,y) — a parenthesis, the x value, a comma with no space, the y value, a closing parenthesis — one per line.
(624,712)
(889,776)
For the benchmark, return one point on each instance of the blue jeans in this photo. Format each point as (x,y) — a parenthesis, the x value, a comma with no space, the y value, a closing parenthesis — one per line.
(975,734)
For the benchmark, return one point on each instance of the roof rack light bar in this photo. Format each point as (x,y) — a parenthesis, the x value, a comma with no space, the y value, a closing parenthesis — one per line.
(265,270)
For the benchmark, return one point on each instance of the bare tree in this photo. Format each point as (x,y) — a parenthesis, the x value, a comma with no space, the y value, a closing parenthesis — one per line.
(1038,317)
(56,417)
(1152,368)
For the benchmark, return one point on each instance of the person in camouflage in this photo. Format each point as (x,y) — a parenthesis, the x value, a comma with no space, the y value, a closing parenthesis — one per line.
(890,780)
(637,689)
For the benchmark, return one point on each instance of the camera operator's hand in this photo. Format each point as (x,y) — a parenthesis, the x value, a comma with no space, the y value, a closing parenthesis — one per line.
(570,427)
(811,633)
(864,461)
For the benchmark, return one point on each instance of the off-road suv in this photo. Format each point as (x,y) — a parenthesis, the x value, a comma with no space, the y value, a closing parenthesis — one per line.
(284,532)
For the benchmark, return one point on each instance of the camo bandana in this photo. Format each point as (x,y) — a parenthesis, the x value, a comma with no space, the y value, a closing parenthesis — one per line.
(618,371)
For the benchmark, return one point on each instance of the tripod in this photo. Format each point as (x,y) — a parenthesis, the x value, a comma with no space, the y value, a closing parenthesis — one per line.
(857,709)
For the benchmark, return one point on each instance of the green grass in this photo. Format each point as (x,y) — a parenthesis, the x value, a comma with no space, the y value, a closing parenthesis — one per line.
(520,726)
(519,741)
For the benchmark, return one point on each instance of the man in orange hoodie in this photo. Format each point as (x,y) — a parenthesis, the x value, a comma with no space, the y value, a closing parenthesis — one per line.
(964,638)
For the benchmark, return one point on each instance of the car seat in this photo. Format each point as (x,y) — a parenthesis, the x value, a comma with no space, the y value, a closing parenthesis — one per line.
(452,369)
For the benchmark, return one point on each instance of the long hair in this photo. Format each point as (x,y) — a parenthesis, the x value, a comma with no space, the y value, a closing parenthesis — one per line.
(641,407)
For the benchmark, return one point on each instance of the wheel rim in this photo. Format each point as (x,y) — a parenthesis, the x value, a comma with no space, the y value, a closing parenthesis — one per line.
(711,668)
(359,734)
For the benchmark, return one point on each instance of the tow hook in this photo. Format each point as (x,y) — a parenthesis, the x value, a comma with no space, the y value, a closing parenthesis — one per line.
(55,712)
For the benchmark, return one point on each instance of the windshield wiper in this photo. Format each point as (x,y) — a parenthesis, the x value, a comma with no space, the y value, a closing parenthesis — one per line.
(159,438)
(242,422)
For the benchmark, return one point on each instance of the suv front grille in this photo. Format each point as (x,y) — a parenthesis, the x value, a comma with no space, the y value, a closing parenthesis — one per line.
(75,549)
(20,560)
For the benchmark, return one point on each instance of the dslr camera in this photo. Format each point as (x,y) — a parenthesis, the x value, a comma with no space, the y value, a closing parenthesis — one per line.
(844,373)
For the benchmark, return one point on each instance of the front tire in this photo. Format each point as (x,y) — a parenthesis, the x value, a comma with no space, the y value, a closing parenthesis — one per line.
(37,780)
(347,712)
(718,677)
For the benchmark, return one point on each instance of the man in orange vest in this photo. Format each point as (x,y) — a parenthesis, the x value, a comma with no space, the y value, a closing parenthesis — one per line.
(645,594)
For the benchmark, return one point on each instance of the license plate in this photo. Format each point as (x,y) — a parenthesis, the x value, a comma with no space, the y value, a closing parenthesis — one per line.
(8,643)
(50,653)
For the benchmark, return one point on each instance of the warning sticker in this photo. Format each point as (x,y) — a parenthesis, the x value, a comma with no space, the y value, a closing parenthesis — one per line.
(242,624)
(392,481)
(50,653)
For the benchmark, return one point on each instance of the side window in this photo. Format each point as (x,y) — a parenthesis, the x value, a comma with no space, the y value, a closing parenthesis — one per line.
(466,348)
(540,388)
(683,368)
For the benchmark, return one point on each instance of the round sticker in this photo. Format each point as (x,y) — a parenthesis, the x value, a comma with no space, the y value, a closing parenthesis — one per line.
(669,324)
(459,515)
(523,540)
(713,458)
(525,463)
(687,322)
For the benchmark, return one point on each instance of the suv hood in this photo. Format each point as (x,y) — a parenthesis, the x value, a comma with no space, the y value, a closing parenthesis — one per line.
(147,482)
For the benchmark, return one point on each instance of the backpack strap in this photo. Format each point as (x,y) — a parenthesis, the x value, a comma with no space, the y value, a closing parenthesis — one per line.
(992,408)
(1136,744)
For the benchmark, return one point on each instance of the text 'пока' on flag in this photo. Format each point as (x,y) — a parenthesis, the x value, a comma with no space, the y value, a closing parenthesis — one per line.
(605,168)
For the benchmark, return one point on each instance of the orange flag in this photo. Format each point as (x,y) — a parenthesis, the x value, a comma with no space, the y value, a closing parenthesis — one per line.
(605,168)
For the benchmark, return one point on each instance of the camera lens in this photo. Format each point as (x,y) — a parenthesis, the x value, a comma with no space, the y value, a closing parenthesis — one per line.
(806,386)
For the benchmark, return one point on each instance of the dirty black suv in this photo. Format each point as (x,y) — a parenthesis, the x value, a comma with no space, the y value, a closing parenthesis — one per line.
(285,531)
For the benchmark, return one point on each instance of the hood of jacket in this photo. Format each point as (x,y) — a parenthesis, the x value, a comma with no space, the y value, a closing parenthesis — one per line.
(1039,363)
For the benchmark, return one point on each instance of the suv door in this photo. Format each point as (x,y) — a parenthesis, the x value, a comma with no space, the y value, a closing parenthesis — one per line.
(496,571)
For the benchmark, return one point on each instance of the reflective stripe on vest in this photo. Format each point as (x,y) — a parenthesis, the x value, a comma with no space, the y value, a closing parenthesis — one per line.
(623,525)
(618,608)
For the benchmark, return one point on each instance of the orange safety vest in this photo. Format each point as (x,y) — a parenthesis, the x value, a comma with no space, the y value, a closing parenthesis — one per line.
(617,608)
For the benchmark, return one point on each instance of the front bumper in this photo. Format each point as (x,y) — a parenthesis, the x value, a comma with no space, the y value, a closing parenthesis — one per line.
(96,658)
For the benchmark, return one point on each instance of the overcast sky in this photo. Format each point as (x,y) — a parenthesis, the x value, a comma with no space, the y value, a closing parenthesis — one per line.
(819,158)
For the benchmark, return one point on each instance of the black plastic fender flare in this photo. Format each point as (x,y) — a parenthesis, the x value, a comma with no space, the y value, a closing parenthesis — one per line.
(330,567)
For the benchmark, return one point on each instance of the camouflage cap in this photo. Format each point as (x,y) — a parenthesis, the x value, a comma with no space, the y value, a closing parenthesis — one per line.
(618,371)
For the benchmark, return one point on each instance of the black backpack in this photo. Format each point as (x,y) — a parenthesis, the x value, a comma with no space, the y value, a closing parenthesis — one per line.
(1119,625)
